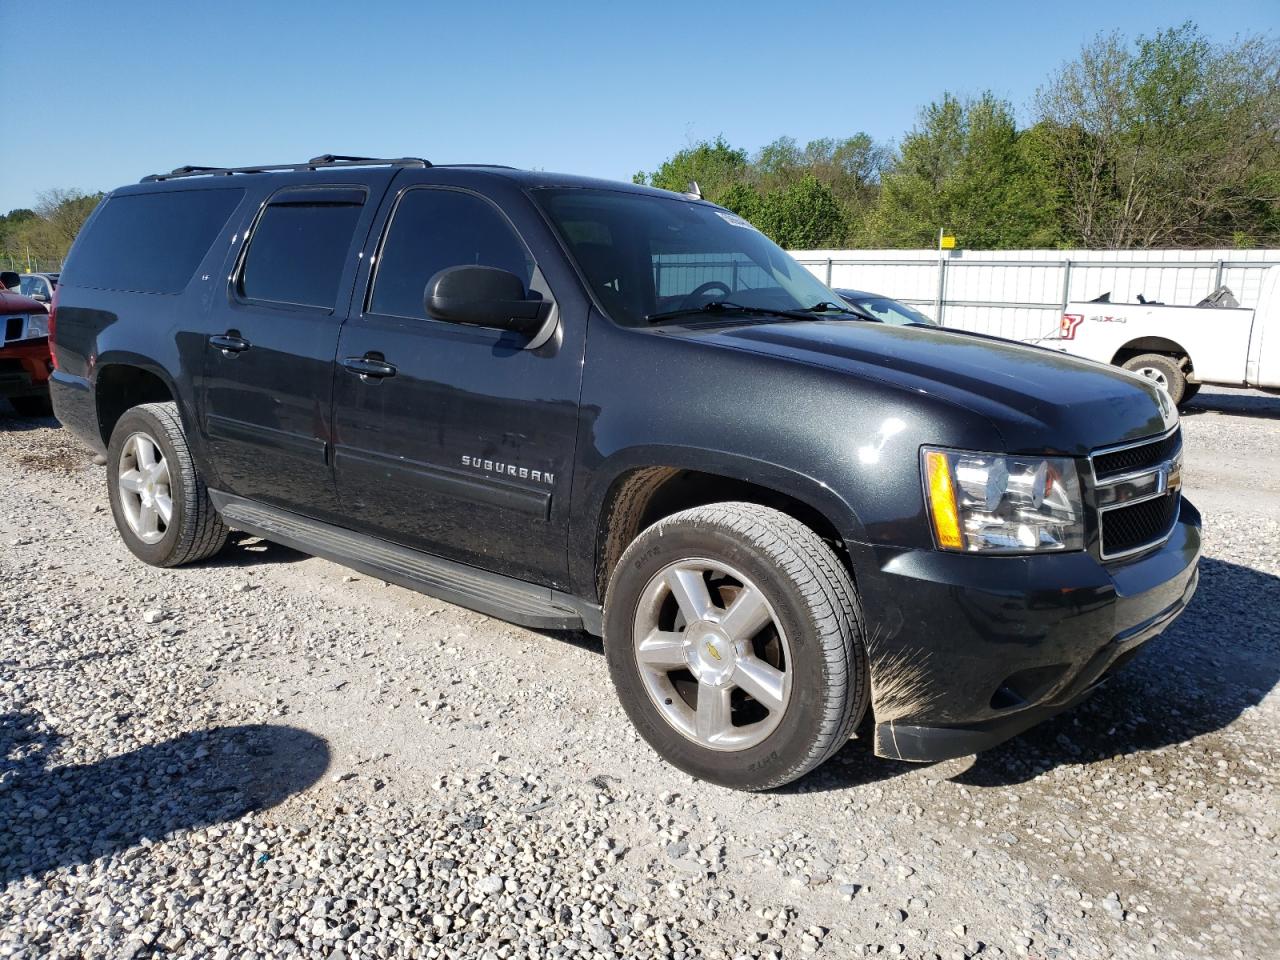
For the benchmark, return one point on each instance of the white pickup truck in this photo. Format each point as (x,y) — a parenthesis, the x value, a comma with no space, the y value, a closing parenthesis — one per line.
(1181,347)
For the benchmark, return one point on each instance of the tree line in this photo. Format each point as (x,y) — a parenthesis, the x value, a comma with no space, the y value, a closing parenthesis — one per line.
(39,239)
(1166,141)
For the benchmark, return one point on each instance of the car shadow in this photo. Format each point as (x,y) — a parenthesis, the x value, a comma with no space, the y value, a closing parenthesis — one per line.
(1221,657)
(246,550)
(11,420)
(1237,404)
(57,815)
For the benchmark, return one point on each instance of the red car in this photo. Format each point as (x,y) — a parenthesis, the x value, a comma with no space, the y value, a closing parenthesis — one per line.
(25,362)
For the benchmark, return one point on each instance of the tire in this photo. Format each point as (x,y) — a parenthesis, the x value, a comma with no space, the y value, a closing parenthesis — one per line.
(194,530)
(32,406)
(1163,370)
(804,626)
(1189,393)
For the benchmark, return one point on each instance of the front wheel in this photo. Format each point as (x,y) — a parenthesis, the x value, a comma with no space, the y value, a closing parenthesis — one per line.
(733,638)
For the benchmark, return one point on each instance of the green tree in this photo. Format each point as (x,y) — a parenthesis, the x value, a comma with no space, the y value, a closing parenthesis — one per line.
(713,165)
(64,213)
(743,199)
(961,168)
(803,216)
(45,234)
(1172,140)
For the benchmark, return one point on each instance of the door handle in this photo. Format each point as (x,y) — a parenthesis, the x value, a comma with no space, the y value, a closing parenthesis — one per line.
(369,368)
(229,343)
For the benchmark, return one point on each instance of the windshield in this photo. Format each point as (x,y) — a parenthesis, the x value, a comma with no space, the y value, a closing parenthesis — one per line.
(646,256)
(890,311)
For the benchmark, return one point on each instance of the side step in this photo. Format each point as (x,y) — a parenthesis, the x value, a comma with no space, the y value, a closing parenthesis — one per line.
(503,597)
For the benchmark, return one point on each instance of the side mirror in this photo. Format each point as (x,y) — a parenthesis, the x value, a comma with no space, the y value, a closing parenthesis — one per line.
(484,297)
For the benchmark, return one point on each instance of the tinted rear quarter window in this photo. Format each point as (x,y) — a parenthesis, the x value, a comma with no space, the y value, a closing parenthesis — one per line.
(150,242)
(299,247)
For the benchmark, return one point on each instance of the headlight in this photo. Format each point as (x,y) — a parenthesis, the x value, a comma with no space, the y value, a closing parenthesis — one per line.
(990,503)
(38,325)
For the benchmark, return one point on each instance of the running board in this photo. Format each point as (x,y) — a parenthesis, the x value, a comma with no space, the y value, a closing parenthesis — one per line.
(503,597)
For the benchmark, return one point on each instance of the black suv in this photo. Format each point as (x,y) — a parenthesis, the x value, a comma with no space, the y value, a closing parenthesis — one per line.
(572,404)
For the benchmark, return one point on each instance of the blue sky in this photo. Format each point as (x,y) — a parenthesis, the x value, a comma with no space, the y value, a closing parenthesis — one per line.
(108,92)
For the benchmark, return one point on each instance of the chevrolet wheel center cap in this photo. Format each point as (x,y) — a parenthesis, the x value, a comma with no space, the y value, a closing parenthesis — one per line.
(709,653)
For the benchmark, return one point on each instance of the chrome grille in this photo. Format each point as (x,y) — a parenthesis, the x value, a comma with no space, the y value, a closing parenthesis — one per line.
(1146,453)
(1137,490)
(1139,525)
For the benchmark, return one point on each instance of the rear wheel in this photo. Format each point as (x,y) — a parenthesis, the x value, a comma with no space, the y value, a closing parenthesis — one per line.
(1162,370)
(1190,392)
(159,501)
(734,641)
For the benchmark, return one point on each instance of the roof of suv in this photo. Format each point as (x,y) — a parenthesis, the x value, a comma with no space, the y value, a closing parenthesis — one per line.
(529,179)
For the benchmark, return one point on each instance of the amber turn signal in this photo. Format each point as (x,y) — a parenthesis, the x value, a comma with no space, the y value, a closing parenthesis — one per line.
(942,501)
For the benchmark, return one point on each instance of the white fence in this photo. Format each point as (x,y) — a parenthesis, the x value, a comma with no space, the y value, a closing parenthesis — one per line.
(1020,294)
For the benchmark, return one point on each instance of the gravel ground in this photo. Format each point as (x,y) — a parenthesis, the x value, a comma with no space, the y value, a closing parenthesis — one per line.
(269,756)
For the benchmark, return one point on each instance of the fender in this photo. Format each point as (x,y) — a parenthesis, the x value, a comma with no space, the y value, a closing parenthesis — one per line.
(587,519)
(179,385)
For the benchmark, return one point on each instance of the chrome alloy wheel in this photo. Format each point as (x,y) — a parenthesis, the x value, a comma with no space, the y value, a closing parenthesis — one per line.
(145,495)
(713,656)
(1155,375)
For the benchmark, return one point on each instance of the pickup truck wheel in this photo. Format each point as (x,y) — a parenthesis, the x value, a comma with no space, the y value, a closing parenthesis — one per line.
(159,501)
(733,637)
(1161,370)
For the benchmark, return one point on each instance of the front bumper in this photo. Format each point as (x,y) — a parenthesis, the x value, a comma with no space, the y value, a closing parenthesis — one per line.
(24,368)
(968,651)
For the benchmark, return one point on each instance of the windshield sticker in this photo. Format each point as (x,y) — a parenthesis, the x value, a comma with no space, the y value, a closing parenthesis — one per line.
(734,219)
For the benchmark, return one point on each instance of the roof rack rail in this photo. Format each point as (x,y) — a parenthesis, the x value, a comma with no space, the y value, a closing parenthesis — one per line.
(325,160)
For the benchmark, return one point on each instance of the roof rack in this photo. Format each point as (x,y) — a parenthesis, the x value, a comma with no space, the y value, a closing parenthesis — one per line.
(324,161)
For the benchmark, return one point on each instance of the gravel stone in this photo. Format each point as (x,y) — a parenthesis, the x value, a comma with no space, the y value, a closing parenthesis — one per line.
(289,761)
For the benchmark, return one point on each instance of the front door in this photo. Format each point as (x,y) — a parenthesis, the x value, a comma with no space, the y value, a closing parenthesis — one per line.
(268,384)
(453,439)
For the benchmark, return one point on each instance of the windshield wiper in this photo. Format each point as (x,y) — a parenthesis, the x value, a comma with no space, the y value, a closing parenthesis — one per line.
(852,311)
(724,306)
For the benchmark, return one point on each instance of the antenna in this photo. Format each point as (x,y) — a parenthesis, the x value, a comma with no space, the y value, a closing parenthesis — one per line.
(694,192)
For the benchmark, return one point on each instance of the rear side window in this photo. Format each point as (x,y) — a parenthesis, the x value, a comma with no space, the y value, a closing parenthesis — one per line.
(435,229)
(150,242)
(299,247)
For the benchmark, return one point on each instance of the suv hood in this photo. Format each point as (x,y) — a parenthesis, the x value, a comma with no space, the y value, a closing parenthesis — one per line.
(1039,400)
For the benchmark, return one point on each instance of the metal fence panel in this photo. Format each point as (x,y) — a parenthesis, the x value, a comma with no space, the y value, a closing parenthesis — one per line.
(1020,294)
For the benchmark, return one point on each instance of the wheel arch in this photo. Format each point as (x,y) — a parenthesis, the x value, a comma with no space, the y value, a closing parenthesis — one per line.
(1163,345)
(120,383)
(640,491)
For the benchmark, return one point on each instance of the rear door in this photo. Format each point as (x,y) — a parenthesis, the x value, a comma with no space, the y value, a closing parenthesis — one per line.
(464,447)
(268,385)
